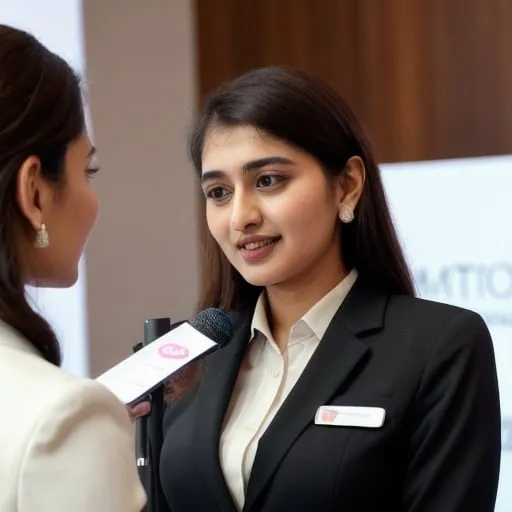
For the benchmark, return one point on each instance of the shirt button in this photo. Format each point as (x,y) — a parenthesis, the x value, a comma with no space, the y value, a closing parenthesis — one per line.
(275,373)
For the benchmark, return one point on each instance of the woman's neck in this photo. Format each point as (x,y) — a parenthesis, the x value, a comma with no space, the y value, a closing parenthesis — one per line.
(289,302)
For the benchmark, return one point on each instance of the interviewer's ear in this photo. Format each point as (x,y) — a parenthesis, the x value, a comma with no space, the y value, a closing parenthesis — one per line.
(33,193)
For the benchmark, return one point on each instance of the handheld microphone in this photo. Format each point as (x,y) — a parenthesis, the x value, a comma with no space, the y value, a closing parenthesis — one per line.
(214,324)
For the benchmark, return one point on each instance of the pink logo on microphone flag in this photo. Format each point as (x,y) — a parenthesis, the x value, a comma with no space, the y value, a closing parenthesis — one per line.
(173,351)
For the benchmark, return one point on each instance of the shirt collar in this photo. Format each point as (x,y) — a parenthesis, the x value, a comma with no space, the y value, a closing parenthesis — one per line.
(317,319)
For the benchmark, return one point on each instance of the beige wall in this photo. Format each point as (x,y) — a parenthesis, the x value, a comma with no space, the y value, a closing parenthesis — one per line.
(142,259)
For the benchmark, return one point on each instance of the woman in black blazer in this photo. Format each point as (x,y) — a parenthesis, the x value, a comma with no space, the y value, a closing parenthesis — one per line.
(340,390)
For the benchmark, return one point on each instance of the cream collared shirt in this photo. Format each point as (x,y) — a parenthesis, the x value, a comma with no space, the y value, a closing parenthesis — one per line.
(265,379)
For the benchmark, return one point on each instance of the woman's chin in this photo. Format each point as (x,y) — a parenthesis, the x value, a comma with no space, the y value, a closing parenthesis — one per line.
(262,278)
(55,281)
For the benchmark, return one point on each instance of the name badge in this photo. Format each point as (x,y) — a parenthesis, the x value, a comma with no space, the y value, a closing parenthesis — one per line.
(350,416)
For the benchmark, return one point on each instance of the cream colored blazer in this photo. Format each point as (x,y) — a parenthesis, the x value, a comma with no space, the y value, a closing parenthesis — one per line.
(66,443)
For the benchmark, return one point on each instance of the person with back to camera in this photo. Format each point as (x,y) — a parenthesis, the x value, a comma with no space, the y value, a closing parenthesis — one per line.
(66,442)
(340,390)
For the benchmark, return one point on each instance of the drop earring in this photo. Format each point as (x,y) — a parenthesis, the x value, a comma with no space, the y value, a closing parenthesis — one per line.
(42,238)
(346,214)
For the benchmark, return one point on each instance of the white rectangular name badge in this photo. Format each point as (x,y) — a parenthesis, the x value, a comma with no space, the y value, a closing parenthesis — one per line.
(144,370)
(350,416)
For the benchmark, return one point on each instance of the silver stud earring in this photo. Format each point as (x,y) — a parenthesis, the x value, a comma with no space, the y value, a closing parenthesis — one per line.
(346,214)
(42,238)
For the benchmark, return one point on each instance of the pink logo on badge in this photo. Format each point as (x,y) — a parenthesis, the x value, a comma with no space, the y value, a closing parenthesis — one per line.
(173,351)
(328,415)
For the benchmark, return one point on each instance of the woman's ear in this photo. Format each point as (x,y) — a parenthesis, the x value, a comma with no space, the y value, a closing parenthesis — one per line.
(352,182)
(34,194)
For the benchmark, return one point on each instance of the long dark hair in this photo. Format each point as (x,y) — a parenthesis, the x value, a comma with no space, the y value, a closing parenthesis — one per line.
(306,113)
(41,113)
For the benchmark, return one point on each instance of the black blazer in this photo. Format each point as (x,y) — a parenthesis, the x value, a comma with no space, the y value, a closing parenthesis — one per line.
(430,366)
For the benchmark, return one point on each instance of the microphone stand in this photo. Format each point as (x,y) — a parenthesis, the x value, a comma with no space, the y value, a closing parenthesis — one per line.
(149,429)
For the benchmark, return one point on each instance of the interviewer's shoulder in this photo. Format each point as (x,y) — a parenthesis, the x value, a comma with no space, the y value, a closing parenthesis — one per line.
(52,391)
(86,429)
(86,396)
(72,402)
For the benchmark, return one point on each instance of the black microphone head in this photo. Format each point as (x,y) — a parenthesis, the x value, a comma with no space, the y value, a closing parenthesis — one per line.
(214,324)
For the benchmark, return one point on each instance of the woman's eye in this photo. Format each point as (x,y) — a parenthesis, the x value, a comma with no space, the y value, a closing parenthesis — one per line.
(91,171)
(217,193)
(268,181)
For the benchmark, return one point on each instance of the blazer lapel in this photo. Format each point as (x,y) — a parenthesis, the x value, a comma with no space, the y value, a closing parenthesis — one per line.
(212,401)
(336,358)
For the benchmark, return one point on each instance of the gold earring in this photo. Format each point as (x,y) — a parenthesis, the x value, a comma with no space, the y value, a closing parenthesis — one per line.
(346,214)
(42,238)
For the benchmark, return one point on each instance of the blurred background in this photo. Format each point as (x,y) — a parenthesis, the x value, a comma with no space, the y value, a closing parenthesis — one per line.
(430,80)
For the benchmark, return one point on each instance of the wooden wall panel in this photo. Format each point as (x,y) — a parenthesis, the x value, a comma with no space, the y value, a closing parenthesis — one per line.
(429,79)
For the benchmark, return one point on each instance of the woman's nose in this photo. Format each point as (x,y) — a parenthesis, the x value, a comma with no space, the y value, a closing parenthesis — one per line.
(245,212)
